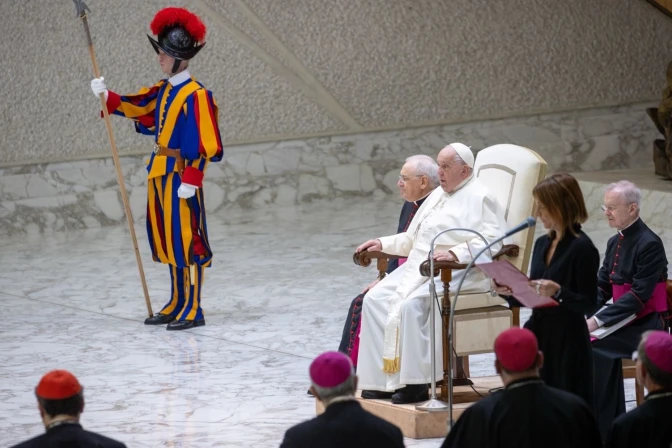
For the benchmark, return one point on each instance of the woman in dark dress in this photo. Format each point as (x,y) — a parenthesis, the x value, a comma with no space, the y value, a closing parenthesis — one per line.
(564,266)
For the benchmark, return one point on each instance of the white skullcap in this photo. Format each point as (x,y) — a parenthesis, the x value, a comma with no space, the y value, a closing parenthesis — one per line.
(464,152)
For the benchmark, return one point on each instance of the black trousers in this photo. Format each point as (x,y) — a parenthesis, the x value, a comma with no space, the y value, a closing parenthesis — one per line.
(607,355)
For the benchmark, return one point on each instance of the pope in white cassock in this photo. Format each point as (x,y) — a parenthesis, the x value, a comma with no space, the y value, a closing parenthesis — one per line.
(394,352)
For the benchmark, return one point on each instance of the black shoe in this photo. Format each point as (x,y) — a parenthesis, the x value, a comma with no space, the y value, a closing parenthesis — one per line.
(159,319)
(376,395)
(412,393)
(185,324)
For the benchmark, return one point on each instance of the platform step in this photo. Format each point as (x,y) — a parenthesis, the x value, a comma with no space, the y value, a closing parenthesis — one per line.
(417,424)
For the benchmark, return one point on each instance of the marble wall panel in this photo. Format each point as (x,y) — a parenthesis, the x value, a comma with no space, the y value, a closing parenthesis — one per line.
(81,194)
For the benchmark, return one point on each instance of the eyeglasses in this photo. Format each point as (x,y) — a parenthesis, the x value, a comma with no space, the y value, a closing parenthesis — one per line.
(611,208)
(405,179)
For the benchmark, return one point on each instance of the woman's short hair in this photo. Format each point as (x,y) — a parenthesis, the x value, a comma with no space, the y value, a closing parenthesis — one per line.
(561,195)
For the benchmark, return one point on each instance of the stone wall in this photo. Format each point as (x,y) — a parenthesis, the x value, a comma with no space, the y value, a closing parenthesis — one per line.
(297,69)
(83,194)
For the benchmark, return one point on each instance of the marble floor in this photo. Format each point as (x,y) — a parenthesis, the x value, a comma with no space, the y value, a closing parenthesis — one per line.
(275,298)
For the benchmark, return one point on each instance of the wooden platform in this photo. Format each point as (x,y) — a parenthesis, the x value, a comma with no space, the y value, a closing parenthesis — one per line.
(426,425)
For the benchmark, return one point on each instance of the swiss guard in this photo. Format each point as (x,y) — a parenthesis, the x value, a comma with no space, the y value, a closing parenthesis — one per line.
(182,116)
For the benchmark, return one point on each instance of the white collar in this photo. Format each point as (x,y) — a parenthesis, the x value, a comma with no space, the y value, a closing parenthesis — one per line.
(179,78)
(461,184)
(416,202)
(620,231)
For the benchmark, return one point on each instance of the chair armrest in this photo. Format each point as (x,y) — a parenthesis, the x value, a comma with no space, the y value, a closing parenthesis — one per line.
(364,257)
(508,250)
(438,265)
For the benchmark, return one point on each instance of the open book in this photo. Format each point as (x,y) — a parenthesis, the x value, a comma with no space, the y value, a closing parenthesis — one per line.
(504,273)
(603,332)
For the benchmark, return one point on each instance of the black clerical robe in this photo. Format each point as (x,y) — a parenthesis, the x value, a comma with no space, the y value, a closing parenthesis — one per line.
(634,256)
(348,343)
(344,424)
(526,414)
(561,331)
(648,425)
(70,435)
(405,217)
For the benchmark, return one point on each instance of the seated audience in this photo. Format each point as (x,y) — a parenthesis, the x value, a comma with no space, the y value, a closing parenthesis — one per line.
(634,275)
(527,413)
(60,400)
(344,423)
(648,425)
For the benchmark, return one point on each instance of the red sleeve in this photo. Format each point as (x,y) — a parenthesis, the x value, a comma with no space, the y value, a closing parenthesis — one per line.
(113,101)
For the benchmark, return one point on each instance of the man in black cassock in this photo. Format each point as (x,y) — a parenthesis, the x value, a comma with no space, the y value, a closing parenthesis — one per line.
(648,425)
(419,176)
(60,400)
(634,274)
(344,423)
(527,413)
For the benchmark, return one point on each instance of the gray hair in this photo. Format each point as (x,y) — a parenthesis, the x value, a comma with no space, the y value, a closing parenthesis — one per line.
(461,161)
(425,166)
(627,190)
(346,389)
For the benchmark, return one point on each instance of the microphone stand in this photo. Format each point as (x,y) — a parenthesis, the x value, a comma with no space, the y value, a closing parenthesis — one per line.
(454,301)
(433,404)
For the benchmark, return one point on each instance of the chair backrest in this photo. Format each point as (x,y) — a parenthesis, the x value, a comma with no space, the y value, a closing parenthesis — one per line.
(511,173)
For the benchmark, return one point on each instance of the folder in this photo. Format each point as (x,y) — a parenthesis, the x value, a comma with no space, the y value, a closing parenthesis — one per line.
(603,332)
(506,274)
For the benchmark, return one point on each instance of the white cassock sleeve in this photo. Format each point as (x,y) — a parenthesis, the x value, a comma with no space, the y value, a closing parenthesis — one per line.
(399,244)
(490,228)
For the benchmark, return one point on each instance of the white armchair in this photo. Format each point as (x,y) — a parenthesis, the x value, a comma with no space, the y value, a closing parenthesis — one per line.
(511,172)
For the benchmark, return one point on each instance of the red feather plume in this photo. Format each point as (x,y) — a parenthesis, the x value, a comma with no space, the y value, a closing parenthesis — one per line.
(178,16)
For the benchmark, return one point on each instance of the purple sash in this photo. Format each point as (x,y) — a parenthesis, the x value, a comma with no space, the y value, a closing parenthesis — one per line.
(657,303)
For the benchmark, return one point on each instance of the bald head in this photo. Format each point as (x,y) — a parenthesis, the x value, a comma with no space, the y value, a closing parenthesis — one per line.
(452,168)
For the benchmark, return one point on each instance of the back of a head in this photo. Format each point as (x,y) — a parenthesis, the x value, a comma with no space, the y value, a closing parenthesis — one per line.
(655,353)
(517,354)
(59,393)
(332,375)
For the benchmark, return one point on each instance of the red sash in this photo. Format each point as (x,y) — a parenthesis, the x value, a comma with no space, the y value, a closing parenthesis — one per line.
(657,303)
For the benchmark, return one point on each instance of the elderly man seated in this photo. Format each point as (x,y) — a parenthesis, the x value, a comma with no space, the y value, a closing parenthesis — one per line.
(418,177)
(394,353)
(634,275)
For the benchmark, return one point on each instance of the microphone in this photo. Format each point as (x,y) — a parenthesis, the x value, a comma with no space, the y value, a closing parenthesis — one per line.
(529,222)
(433,404)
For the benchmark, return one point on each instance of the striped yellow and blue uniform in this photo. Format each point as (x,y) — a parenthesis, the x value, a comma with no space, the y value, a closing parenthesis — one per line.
(183,117)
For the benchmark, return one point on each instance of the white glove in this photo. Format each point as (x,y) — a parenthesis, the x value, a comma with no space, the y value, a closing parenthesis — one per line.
(185,191)
(98,87)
